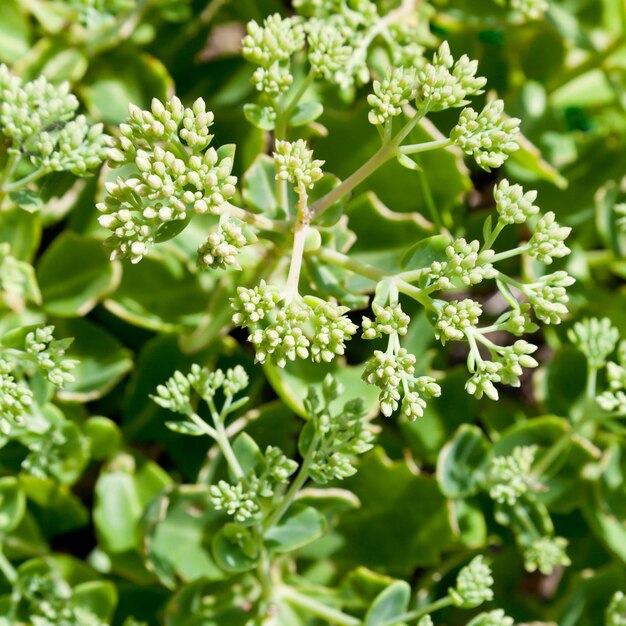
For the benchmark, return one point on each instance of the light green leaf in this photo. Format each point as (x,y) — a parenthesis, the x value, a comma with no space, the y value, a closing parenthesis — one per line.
(300,526)
(12,504)
(75,274)
(305,113)
(102,360)
(389,604)
(122,491)
(462,461)
(259,116)
(99,597)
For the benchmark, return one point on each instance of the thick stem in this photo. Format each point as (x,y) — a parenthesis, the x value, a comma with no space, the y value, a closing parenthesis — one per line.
(332,616)
(494,235)
(7,568)
(430,201)
(509,253)
(384,153)
(417,613)
(296,485)
(426,146)
(295,99)
(258,221)
(373,273)
(229,454)
(200,423)
(594,61)
(297,253)
(22,182)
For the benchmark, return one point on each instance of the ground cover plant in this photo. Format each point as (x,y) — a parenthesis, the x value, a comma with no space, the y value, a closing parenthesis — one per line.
(312,312)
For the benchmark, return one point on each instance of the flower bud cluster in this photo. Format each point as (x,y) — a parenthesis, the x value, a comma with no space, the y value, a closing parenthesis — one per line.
(328,52)
(270,46)
(508,477)
(548,296)
(338,436)
(614,398)
(49,355)
(394,374)
(303,328)
(473,585)
(444,83)
(234,500)
(46,452)
(531,9)
(243,500)
(513,205)
(175,393)
(40,120)
(466,264)
(513,359)
(595,338)
(615,614)
(482,381)
(391,94)
(221,249)
(487,136)
(546,244)
(388,320)
(456,319)
(295,163)
(546,554)
(492,618)
(15,398)
(517,321)
(278,469)
(17,283)
(168,181)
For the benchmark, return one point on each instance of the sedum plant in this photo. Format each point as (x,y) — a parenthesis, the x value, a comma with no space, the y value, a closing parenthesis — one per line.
(299,326)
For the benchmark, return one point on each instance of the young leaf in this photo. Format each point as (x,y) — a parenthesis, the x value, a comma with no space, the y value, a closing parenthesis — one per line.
(389,604)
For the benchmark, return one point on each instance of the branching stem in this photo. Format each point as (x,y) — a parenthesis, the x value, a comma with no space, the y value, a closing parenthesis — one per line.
(331,615)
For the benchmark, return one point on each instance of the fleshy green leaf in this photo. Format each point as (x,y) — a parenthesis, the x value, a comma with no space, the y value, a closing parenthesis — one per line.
(389,604)
(300,526)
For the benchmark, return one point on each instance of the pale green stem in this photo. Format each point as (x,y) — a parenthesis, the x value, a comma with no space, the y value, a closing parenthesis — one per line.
(344,261)
(7,568)
(280,134)
(221,438)
(32,177)
(12,162)
(258,221)
(474,351)
(296,485)
(200,423)
(509,254)
(369,271)
(413,275)
(380,157)
(295,99)
(594,61)
(331,615)
(494,235)
(297,253)
(384,153)
(430,201)
(426,146)
(417,613)
(223,441)
(592,377)
(561,444)
(522,514)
